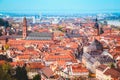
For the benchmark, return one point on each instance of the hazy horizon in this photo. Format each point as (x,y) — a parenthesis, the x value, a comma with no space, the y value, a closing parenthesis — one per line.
(61,6)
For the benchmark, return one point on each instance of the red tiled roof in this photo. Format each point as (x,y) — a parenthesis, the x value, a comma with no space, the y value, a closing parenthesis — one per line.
(79,68)
(60,56)
(2,62)
(102,67)
(35,65)
(47,71)
(24,56)
(118,64)
(20,47)
(20,63)
(113,73)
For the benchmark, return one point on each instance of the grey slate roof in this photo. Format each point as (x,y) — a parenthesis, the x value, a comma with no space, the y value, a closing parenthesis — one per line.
(15,36)
(73,35)
(32,35)
(39,36)
(97,44)
(89,58)
(105,59)
(86,55)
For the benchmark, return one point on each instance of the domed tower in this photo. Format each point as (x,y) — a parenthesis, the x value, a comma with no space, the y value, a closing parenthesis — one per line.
(24,28)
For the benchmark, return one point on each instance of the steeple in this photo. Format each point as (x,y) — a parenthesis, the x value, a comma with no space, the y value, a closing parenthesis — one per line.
(96,26)
(24,27)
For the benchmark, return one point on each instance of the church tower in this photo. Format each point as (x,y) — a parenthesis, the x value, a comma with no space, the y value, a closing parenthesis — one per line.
(24,28)
(97,27)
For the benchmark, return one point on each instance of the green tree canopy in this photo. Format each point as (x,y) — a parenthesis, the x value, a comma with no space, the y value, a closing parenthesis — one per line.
(4,75)
(4,23)
(6,67)
(21,73)
(112,65)
(1,22)
(0,32)
(37,77)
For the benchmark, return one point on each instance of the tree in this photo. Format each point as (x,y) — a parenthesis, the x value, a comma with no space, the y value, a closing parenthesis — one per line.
(21,73)
(6,47)
(37,77)
(0,32)
(4,23)
(1,22)
(112,65)
(4,75)
(6,67)
(4,57)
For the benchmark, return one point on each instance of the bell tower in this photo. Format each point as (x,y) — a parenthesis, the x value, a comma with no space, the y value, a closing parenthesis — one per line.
(96,26)
(24,28)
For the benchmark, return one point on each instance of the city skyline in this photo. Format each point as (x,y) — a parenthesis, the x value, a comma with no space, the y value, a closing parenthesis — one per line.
(59,40)
(61,6)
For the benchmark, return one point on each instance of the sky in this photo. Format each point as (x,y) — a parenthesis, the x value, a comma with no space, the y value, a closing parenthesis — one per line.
(34,6)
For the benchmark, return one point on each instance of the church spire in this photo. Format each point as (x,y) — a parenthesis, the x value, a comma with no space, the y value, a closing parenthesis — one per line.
(96,26)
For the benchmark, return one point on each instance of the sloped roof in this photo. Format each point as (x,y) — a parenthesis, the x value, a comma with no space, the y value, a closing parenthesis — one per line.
(105,59)
(102,67)
(97,44)
(113,73)
(39,36)
(47,72)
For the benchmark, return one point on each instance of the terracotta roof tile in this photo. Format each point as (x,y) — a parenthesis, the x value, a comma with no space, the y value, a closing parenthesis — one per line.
(102,67)
(79,68)
(113,73)
(19,63)
(35,65)
(47,71)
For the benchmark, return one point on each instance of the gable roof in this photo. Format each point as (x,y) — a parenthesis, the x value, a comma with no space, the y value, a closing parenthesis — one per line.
(47,72)
(102,67)
(113,73)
